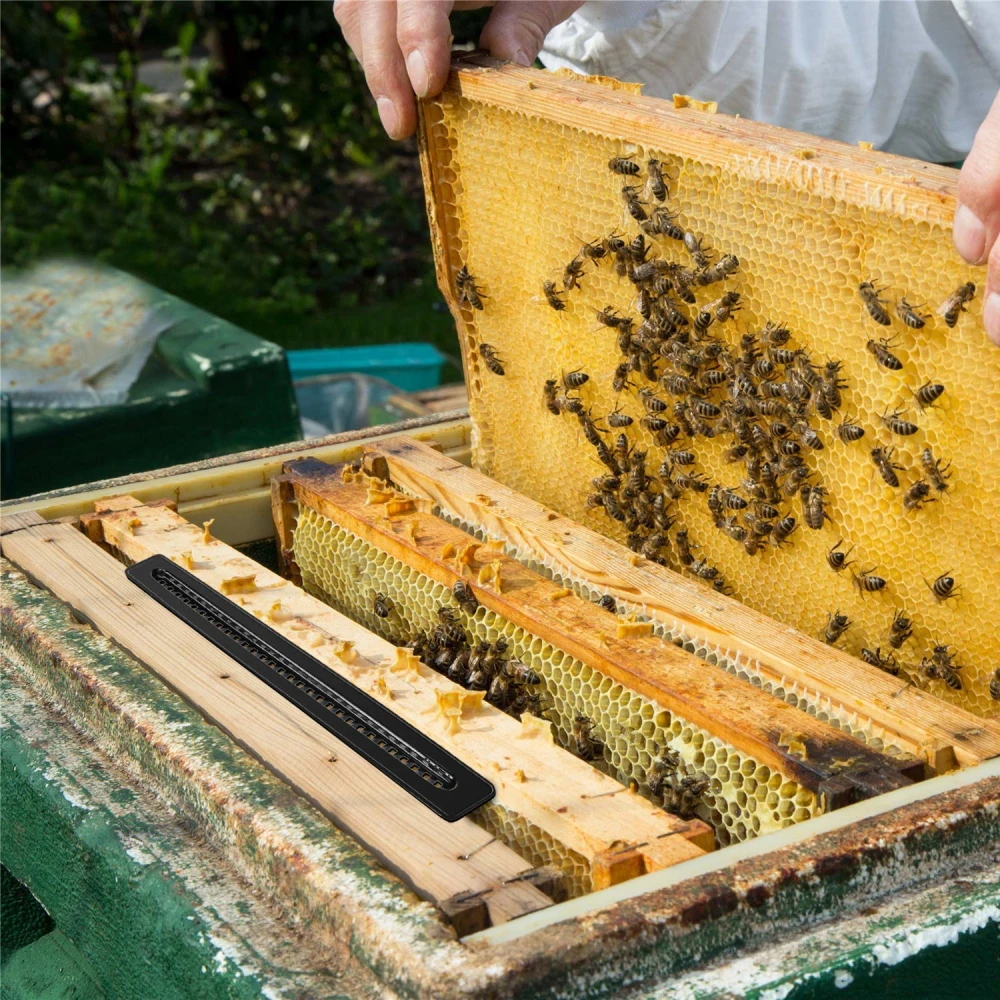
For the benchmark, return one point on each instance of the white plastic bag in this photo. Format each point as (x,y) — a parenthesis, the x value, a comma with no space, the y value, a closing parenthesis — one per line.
(74,334)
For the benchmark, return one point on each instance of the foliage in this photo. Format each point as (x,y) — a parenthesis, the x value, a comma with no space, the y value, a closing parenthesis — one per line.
(265,191)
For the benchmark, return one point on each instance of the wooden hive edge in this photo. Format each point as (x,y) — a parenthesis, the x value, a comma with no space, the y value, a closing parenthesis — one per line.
(942,735)
(750,720)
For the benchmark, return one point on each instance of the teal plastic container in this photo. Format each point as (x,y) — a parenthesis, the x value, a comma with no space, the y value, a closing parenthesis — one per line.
(409,367)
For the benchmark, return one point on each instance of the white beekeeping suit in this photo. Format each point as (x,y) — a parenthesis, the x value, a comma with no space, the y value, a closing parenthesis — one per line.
(914,78)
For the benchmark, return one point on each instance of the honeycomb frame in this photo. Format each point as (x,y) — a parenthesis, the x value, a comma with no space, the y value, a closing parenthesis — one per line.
(821,208)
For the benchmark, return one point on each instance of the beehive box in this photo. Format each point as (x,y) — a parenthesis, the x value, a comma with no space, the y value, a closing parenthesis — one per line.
(249,863)
(517,173)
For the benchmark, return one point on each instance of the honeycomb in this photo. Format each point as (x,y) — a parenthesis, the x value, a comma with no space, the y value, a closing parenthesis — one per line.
(744,798)
(514,197)
(739,665)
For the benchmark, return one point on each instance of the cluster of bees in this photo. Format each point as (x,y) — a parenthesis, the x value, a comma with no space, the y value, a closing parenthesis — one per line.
(764,395)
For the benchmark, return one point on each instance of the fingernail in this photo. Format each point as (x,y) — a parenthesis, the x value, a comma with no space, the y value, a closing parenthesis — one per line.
(969,235)
(387,112)
(522,58)
(991,317)
(417,69)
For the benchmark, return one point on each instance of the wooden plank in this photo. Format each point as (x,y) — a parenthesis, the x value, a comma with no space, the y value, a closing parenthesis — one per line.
(938,732)
(541,782)
(15,522)
(284,511)
(750,720)
(440,860)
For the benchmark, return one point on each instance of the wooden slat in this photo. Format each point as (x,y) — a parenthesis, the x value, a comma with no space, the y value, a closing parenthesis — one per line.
(934,730)
(16,522)
(560,794)
(439,859)
(834,765)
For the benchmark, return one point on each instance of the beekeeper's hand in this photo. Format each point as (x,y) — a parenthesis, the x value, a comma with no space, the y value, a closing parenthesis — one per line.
(977,219)
(404,46)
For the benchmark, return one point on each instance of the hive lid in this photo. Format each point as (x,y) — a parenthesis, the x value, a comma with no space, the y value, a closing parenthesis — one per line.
(516,172)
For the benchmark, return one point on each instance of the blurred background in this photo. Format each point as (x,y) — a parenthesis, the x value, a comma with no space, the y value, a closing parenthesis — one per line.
(226,154)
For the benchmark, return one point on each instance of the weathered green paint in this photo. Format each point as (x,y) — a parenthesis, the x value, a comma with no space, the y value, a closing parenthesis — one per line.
(273,837)
(149,908)
(22,918)
(50,968)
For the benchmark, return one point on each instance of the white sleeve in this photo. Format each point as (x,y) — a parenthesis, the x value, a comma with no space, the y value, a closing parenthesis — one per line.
(911,77)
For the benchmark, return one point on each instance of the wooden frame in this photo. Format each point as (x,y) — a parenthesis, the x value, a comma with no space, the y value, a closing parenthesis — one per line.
(941,734)
(748,719)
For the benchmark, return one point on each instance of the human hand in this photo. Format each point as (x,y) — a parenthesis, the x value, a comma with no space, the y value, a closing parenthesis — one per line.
(404,46)
(977,218)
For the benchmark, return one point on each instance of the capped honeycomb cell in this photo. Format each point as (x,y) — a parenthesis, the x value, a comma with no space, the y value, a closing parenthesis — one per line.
(528,184)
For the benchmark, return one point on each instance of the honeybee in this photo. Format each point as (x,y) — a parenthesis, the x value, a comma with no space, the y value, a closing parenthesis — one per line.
(848,432)
(521,672)
(956,302)
(588,746)
(882,457)
(943,588)
(691,481)
(381,605)
(650,400)
(663,223)
(681,796)
(605,457)
(881,349)
(783,528)
(630,195)
(447,616)
(927,394)
(596,250)
(683,545)
(637,249)
(661,769)
(775,335)
(893,423)
(868,583)
(704,320)
(699,254)
(465,285)
(609,604)
(458,669)
(871,296)
(935,472)
(553,296)
(575,379)
(703,570)
(995,685)
(609,316)
(490,359)
(549,395)
(909,315)
(620,380)
(836,625)
(874,658)
(837,558)
(734,529)
(465,597)
(727,264)
(618,419)
(572,273)
(917,495)
(900,629)
(813,506)
(808,436)
(652,423)
(623,165)
(656,183)
(733,500)
(941,665)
